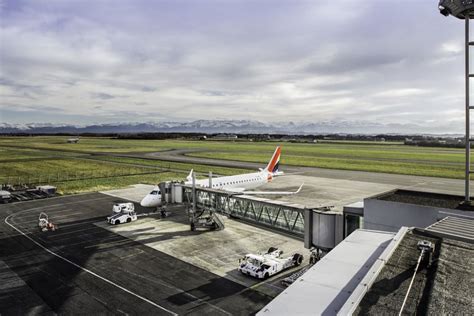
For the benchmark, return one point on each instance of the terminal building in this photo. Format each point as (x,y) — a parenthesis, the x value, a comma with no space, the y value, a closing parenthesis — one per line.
(371,250)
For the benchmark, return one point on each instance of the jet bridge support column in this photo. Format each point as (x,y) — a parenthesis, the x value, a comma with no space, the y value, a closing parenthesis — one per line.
(324,229)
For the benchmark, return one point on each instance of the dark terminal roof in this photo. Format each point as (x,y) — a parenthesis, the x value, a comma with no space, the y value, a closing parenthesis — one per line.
(426,199)
(442,286)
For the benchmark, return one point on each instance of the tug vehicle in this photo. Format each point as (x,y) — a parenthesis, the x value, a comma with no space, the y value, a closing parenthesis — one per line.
(123,213)
(270,263)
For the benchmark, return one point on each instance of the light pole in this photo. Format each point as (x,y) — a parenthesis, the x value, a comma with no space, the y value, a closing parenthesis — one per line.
(463,9)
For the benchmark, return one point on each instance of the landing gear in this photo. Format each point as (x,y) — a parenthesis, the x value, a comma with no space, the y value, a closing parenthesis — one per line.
(314,256)
(163,212)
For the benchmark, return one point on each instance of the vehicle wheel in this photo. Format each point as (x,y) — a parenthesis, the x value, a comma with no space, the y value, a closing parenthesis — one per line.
(266,276)
(297,259)
(117,222)
(271,249)
(129,220)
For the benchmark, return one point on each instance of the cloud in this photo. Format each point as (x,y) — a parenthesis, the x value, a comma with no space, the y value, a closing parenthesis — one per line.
(399,93)
(266,60)
(103,96)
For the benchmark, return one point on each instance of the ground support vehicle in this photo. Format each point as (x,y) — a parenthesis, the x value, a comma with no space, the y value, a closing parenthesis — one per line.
(123,213)
(270,263)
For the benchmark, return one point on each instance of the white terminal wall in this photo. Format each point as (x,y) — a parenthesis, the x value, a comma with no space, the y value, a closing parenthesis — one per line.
(391,216)
(326,286)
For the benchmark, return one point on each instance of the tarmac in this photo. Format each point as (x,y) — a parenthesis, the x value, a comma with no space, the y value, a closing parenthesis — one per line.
(88,267)
(158,265)
(320,192)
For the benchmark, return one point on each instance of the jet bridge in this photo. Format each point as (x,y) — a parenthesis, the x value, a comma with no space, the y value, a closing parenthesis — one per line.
(279,215)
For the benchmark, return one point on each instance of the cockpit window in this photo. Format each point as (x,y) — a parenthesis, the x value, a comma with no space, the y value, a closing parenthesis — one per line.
(155,192)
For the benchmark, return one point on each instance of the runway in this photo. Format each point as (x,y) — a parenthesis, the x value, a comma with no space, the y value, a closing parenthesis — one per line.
(432,184)
(85,268)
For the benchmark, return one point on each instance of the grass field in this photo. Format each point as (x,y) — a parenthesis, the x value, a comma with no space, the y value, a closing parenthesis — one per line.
(93,185)
(53,159)
(420,168)
(185,167)
(33,162)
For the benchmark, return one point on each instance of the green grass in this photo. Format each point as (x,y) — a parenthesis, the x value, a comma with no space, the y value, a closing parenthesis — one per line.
(86,144)
(390,157)
(361,142)
(63,169)
(186,167)
(93,185)
(76,172)
(12,154)
(420,169)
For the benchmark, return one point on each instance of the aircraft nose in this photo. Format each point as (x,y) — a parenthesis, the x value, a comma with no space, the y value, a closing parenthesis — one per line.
(145,202)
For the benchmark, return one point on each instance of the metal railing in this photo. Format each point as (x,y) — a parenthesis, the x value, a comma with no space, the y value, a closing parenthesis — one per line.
(282,216)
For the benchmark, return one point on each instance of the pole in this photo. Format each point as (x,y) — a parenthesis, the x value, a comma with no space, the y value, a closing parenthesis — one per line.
(194,193)
(411,283)
(468,144)
(209,193)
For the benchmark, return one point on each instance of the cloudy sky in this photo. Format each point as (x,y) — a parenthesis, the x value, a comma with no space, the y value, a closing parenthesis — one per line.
(92,61)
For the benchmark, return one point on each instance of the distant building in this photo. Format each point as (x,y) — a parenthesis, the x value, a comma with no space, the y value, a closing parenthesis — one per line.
(225,137)
(73,140)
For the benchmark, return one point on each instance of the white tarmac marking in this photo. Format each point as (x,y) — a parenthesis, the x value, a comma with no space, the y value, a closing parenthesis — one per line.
(54,218)
(89,271)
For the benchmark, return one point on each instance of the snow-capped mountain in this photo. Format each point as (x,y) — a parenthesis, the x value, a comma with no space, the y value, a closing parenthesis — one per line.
(229,126)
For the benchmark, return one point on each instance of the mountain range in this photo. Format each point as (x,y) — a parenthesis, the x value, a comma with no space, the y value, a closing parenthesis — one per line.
(230,126)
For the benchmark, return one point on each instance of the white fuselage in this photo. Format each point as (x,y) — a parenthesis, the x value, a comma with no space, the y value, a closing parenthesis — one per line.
(237,183)
(242,182)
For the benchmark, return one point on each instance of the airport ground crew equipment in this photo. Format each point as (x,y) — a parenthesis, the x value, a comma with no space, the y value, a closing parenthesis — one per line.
(265,265)
(45,224)
(123,213)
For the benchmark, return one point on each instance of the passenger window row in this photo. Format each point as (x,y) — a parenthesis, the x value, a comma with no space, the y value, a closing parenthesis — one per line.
(234,182)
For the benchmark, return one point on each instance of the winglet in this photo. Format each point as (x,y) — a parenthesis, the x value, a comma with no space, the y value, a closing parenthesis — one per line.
(299,189)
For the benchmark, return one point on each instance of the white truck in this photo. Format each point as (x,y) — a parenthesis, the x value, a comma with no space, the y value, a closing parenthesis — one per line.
(265,265)
(123,213)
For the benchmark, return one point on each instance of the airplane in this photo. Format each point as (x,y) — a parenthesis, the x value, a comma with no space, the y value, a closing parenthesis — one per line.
(237,184)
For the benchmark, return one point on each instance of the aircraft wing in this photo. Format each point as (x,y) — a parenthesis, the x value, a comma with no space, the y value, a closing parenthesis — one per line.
(242,191)
(236,190)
